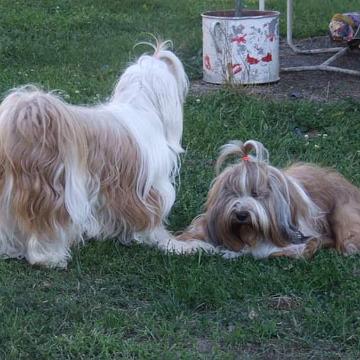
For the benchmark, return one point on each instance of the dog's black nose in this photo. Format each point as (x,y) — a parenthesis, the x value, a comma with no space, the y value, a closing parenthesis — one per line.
(242,216)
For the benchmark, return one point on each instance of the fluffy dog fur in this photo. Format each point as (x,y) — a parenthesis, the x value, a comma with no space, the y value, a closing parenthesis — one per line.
(253,207)
(68,172)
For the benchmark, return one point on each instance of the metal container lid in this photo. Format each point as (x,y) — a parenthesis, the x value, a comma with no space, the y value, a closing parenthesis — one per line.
(246,14)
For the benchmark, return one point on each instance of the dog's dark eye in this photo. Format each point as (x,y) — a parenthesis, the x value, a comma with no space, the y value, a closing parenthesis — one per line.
(254,194)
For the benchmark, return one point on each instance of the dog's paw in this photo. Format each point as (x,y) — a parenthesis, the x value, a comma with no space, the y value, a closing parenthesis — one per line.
(350,249)
(228,254)
(189,247)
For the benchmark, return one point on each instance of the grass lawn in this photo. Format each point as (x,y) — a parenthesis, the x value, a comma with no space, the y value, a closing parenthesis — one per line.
(117,302)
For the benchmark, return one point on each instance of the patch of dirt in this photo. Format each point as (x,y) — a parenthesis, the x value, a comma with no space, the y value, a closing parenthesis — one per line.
(309,85)
(204,346)
(284,302)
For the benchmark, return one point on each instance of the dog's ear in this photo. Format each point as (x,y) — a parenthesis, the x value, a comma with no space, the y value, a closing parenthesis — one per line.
(175,67)
(162,52)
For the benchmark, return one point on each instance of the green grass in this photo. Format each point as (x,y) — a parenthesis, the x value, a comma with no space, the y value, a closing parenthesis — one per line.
(81,45)
(117,302)
(213,120)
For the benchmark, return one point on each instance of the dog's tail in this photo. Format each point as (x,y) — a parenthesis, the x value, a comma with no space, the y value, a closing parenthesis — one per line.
(42,161)
(250,150)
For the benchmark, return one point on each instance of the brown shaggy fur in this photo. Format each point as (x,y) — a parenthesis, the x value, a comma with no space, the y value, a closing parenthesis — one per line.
(323,207)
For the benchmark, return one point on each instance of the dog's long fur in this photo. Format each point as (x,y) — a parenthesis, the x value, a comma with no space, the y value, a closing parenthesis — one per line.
(68,172)
(253,207)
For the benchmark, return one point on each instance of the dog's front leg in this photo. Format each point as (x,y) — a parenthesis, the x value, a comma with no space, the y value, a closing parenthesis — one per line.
(306,250)
(165,241)
(195,231)
(292,251)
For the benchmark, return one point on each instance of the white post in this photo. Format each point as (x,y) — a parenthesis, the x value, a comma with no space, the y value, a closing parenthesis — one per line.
(325,65)
(289,20)
(261,5)
(289,34)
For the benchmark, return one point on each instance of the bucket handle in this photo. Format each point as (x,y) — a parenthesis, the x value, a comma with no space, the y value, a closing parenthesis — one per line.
(215,29)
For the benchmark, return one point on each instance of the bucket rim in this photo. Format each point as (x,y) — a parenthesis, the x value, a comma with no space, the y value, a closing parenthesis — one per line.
(225,14)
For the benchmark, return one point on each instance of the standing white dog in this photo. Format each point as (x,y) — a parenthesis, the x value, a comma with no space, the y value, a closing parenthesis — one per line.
(68,172)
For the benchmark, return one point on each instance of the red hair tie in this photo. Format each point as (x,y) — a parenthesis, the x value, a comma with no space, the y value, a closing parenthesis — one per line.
(246,158)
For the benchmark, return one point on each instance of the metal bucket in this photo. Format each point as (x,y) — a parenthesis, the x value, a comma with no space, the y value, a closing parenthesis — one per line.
(241,50)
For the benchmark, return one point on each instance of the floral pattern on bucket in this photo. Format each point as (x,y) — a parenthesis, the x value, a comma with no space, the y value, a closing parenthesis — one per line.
(241,50)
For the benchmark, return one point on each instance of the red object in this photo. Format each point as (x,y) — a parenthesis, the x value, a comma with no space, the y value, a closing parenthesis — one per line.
(236,68)
(239,39)
(207,62)
(246,158)
(267,58)
(251,60)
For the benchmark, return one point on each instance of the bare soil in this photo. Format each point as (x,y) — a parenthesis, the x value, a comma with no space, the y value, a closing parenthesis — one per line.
(309,85)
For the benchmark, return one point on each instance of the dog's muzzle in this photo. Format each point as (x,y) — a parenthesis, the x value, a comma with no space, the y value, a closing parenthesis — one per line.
(243,217)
